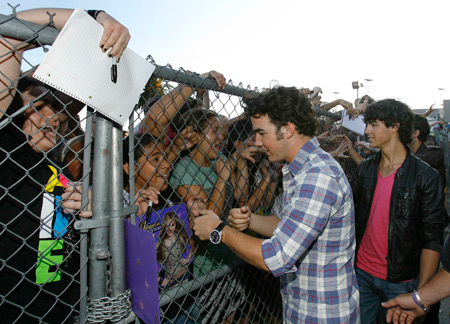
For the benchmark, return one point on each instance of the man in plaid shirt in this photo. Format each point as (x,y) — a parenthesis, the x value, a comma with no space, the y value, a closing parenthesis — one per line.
(311,244)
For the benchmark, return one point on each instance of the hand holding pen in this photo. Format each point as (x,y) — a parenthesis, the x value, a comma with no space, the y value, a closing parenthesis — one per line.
(146,198)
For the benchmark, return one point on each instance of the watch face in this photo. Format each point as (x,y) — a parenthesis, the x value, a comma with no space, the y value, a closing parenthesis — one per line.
(214,236)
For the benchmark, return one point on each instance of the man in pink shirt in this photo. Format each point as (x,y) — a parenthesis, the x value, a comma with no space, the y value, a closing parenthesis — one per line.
(399,215)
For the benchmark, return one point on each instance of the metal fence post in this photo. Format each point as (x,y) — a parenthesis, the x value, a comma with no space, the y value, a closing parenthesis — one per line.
(84,233)
(116,224)
(98,251)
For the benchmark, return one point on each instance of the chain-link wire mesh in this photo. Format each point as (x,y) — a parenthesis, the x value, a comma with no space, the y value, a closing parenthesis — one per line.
(40,250)
(190,142)
(188,147)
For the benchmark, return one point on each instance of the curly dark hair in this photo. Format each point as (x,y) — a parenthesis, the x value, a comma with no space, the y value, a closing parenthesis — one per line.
(283,105)
(391,112)
(421,123)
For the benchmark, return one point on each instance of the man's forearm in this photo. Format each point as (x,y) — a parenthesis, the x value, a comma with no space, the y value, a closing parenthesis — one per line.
(436,289)
(264,225)
(246,247)
(429,262)
(355,156)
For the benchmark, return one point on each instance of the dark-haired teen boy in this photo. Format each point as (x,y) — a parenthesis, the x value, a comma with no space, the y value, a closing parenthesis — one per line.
(398,204)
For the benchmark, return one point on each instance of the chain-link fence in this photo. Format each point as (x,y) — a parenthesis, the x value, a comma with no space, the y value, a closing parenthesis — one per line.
(188,147)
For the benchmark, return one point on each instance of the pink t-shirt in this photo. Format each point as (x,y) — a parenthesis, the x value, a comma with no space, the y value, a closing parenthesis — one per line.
(374,245)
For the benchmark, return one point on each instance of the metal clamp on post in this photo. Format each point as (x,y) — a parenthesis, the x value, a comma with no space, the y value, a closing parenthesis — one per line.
(124,211)
(84,224)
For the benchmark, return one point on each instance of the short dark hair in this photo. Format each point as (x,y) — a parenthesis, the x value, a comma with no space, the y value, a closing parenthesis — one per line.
(421,123)
(239,130)
(27,83)
(283,105)
(140,142)
(391,112)
(371,100)
(198,118)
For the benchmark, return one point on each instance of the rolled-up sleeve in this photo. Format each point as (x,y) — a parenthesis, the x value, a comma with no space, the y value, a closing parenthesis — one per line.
(433,217)
(308,204)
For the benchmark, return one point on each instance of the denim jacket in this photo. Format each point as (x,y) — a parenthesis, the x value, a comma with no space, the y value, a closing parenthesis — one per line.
(417,215)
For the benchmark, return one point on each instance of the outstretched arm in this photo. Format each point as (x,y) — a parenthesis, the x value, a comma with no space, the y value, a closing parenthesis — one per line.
(246,247)
(348,106)
(403,308)
(161,113)
(352,152)
(429,111)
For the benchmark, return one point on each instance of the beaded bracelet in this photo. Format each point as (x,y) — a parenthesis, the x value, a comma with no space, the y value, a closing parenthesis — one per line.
(418,301)
(94,13)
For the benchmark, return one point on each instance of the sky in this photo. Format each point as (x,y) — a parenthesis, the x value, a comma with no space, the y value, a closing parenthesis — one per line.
(401,45)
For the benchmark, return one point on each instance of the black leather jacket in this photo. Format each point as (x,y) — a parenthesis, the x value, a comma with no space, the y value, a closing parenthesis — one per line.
(417,213)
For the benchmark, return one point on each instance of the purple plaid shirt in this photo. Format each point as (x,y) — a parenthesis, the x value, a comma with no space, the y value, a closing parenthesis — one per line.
(312,249)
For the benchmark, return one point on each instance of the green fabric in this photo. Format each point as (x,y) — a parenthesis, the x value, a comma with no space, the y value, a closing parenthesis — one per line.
(46,259)
(186,172)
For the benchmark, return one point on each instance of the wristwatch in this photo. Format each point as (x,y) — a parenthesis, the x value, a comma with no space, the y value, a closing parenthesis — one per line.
(215,236)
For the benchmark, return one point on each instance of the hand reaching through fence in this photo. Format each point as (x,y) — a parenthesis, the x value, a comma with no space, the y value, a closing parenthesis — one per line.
(196,204)
(249,152)
(71,200)
(144,197)
(364,146)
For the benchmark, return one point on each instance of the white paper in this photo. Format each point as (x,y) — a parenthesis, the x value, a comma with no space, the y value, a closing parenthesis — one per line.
(78,67)
(356,125)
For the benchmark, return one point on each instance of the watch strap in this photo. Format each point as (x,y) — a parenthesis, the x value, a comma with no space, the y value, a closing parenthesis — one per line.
(221,226)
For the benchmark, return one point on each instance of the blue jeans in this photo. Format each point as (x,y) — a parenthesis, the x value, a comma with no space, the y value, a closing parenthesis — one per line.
(374,291)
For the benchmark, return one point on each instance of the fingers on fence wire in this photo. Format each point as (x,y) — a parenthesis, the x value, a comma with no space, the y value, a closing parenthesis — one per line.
(71,199)
(218,77)
(196,203)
